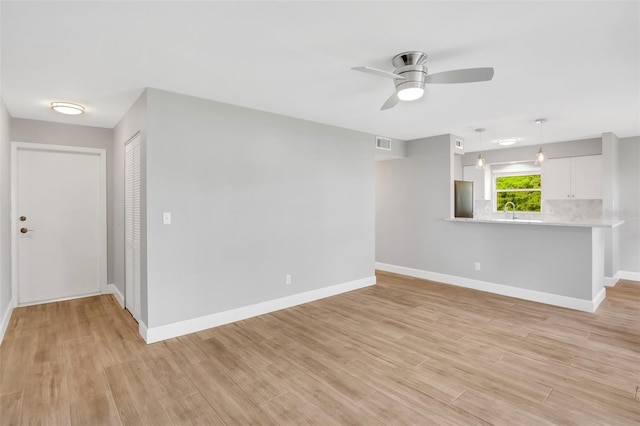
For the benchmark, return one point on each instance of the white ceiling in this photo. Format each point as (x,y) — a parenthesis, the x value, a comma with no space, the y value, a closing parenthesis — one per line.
(576,63)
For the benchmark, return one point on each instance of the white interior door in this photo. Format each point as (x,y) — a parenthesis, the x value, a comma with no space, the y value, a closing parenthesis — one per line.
(132,226)
(59,222)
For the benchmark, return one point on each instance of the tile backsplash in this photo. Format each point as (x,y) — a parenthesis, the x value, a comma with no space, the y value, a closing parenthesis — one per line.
(560,210)
(482,209)
(572,209)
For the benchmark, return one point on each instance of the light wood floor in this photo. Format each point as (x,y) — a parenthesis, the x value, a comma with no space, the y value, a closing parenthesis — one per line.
(405,351)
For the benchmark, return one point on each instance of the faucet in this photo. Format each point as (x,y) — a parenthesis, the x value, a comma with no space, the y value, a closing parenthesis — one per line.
(513,209)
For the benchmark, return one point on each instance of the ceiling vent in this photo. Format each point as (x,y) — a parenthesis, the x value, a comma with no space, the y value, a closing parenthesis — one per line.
(383,143)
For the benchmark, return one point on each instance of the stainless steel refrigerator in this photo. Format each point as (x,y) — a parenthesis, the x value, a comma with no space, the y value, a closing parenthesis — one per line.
(463,198)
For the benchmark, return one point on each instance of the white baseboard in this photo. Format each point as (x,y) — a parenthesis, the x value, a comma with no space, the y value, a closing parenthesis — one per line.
(112,289)
(142,329)
(505,290)
(598,299)
(628,275)
(62,299)
(163,332)
(611,281)
(5,320)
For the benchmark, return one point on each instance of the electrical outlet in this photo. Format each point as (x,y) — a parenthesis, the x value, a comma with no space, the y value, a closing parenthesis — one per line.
(287,279)
(477,266)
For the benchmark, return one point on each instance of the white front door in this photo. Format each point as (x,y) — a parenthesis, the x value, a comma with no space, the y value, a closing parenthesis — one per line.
(59,221)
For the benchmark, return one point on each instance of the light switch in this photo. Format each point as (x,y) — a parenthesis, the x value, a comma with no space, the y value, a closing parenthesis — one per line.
(166,218)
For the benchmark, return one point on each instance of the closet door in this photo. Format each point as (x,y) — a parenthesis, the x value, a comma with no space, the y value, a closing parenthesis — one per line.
(132,226)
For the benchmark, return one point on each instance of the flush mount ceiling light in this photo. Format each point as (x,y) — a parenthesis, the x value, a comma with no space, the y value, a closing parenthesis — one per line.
(506,142)
(480,161)
(541,157)
(67,108)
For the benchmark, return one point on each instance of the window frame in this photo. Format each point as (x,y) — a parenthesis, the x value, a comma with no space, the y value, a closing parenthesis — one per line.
(524,172)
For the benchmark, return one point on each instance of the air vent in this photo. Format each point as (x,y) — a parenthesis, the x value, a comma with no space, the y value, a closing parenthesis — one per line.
(383,143)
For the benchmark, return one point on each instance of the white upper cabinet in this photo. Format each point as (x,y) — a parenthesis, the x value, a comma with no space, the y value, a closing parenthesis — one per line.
(587,177)
(572,178)
(556,179)
(477,176)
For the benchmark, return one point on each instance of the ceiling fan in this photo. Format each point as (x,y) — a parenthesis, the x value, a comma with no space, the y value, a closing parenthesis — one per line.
(410,76)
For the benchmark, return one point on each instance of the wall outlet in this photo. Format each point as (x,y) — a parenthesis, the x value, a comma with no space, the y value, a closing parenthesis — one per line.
(477,266)
(287,279)
(166,218)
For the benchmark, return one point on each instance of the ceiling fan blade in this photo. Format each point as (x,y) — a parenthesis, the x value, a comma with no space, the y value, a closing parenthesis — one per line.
(380,73)
(391,102)
(469,75)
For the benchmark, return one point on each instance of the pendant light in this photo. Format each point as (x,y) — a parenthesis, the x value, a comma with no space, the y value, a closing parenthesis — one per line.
(480,161)
(541,157)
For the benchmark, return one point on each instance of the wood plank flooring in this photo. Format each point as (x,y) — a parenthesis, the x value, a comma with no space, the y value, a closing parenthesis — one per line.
(405,351)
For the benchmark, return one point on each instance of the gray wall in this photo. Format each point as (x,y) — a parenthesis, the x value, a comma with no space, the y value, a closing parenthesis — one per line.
(254,196)
(527,153)
(43,132)
(629,205)
(5,218)
(133,122)
(457,167)
(412,200)
(611,200)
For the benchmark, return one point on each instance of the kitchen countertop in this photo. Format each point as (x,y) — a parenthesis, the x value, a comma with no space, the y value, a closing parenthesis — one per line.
(590,223)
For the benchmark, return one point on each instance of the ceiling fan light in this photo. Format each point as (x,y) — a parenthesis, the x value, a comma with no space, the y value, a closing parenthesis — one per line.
(410,93)
(67,108)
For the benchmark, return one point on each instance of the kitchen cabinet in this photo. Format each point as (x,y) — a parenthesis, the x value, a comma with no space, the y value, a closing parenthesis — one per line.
(477,177)
(576,178)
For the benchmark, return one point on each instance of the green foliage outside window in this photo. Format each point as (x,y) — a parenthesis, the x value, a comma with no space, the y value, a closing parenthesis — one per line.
(523,191)
(525,201)
(519,182)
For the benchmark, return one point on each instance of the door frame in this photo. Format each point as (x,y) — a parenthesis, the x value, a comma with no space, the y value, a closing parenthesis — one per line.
(102,231)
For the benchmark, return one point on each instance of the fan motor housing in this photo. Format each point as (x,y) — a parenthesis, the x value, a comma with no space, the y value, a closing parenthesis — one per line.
(411,66)
(413,57)
(414,75)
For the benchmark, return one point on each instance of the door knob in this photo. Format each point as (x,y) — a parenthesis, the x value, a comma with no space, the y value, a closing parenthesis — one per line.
(25,230)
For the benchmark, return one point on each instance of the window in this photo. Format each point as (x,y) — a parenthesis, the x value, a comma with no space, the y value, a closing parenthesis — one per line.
(523,190)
